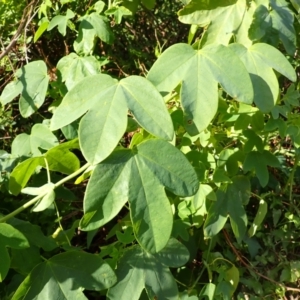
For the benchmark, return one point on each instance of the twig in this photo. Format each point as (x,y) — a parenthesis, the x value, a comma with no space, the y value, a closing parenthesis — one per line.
(256,272)
(23,23)
(25,29)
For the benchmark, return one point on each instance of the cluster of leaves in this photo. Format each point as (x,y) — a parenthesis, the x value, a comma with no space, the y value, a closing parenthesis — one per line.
(192,165)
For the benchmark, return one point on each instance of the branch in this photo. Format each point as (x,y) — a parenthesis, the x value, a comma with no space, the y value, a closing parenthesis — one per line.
(37,198)
(25,17)
(250,267)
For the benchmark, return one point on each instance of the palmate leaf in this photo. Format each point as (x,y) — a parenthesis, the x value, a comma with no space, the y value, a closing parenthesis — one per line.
(64,276)
(224,19)
(200,71)
(259,162)
(32,84)
(139,176)
(30,145)
(33,234)
(108,102)
(229,204)
(138,270)
(9,237)
(92,25)
(74,68)
(61,22)
(272,25)
(259,60)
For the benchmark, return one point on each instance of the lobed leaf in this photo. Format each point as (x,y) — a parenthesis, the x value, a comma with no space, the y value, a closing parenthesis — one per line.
(199,71)
(138,176)
(138,269)
(64,277)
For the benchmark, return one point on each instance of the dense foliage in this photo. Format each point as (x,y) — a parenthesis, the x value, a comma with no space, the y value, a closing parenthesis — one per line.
(150,149)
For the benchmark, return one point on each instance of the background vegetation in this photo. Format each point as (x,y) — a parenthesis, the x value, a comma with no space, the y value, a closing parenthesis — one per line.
(234,236)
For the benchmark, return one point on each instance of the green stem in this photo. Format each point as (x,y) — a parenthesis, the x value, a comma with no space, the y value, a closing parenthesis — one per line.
(37,198)
(47,169)
(291,178)
(59,223)
(206,267)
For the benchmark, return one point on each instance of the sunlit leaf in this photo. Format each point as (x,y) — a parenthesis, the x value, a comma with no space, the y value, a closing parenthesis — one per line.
(101,129)
(139,176)
(200,71)
(22,173)
(34,79)
(224,19)
(74,68)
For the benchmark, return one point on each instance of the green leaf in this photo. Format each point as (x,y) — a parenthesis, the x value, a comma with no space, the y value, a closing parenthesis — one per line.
(90,26)
(127,237)
(42,28)
(259,217)
(229,204)
(238,194)
(224,19)
(205,192)
(195,5)
(21,145)
(64,277)
(261,23)
(132,5)
(34,79)
(138,176)
(259,60)
(61,159)
(296,4)
(208,291)
(271,56)
(253,141)
(9,237)
(41,138)
(217,215)
(273,24)
(74,68)
(232,276)
(118,12)
(99,6)
(101,129)
(283,23)
(200,71)
(22,173)
(152,115)
(24,260)
(259,162)
(108,102)
(33,234)
(61,22)
(81,98)
(11,91)
(138,269)
(5,262)
(149,3)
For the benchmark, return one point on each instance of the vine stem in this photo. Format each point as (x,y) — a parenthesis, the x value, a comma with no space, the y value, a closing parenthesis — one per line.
(203,269)
(249,267)
(37,198)
(291,178)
